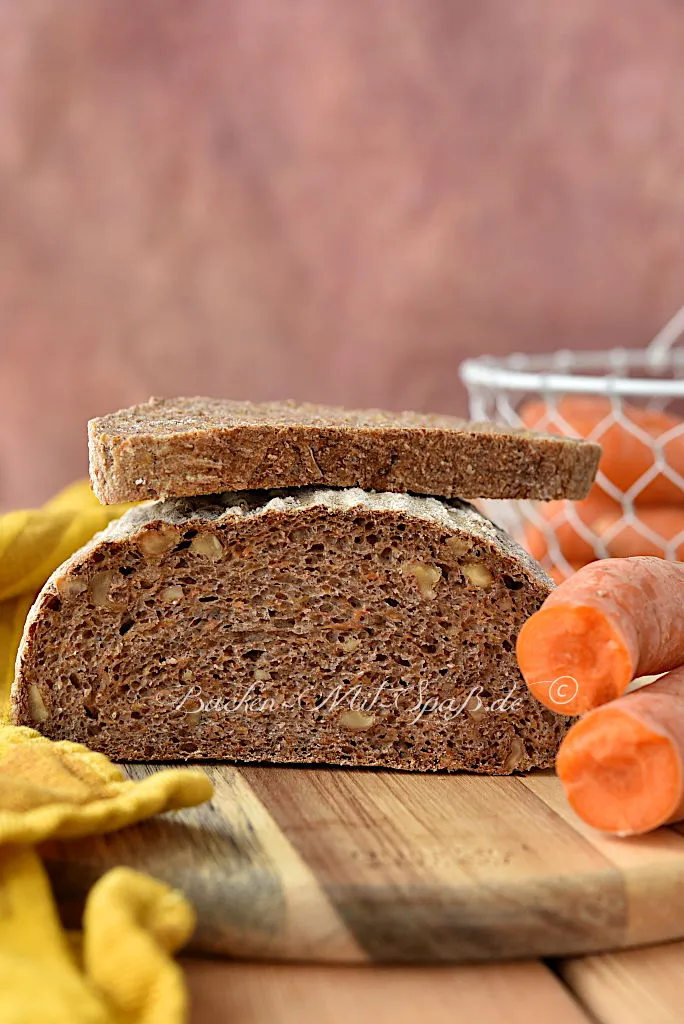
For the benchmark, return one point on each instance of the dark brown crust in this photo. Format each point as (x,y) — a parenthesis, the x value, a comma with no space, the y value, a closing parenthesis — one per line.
(309,589)
(186,446)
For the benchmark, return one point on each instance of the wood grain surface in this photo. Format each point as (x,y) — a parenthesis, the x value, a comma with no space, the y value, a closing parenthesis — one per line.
(278,994)
(632,986)
(325,865)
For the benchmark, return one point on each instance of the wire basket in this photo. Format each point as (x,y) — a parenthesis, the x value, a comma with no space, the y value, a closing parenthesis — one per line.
(630,401)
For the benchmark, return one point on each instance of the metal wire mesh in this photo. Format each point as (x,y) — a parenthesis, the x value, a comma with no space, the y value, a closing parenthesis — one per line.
(630,401)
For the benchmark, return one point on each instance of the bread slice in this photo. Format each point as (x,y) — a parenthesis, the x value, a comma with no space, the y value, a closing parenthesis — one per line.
(186,446)
(308,626)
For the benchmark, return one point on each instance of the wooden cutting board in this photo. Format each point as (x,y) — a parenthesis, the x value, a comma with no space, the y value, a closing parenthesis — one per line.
(335,865)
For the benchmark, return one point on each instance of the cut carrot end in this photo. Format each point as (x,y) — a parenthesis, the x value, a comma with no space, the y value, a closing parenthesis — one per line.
(573,659)
(620,775)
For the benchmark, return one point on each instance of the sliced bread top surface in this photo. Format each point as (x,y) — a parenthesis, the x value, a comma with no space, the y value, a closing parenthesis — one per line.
(181,447)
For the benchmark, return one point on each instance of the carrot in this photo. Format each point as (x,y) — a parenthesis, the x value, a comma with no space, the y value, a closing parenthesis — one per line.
(615,619)
(667,521)
(559,574)
(622,765)
(626,456)
(561,518)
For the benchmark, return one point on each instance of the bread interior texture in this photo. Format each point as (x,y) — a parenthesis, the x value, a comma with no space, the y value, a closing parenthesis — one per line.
(308,626)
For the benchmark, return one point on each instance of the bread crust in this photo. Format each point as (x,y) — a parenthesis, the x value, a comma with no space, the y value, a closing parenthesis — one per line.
(181,447)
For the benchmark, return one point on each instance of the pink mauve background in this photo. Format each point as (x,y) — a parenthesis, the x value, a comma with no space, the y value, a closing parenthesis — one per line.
(335,200)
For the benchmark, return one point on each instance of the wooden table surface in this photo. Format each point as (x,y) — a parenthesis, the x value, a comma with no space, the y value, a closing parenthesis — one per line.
(313,866)
(323,866)
(638,986)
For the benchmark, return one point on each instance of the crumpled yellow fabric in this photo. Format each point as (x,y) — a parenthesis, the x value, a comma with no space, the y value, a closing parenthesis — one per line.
(121,970)
(124,973)
(62,790)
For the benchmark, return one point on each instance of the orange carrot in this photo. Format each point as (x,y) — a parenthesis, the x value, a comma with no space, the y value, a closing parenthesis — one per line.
(622,765)
(625,456)
(667,521)
(612,621)
(559,574)
(561,519)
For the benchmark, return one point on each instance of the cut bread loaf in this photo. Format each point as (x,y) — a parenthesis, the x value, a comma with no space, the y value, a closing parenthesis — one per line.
(187,446)
(310,626)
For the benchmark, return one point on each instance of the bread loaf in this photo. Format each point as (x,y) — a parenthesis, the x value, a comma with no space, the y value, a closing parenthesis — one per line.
(186,446)
(309,626)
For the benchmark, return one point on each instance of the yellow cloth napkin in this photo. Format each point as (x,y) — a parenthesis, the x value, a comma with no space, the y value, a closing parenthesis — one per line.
(121,970)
